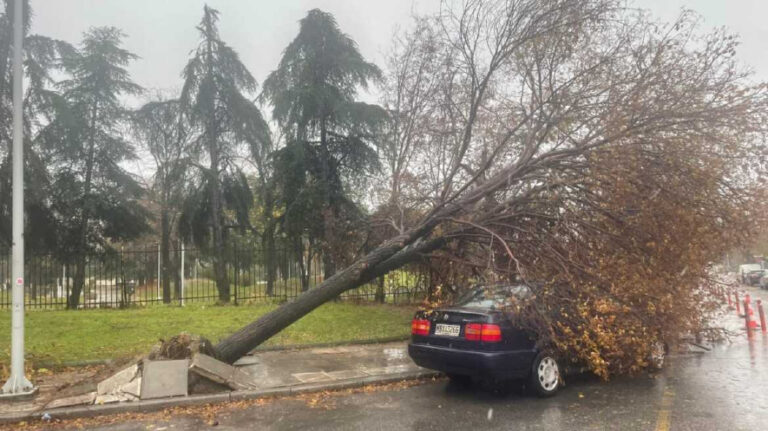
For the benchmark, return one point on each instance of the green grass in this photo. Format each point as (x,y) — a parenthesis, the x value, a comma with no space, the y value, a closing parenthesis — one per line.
(64,336)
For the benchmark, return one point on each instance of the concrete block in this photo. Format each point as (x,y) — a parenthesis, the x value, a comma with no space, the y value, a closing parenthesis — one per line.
(211,368)
(77,400)
(222,373)
(113,384)
(164,379)
(132,388)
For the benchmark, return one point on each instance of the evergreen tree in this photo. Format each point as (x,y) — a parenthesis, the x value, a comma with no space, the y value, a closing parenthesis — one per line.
(94,199)
(331,136)
(42,58)
(214,96)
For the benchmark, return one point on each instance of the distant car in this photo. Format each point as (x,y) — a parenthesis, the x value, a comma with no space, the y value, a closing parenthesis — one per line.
(746,268)
(475,338)
(753,277)
(763,283)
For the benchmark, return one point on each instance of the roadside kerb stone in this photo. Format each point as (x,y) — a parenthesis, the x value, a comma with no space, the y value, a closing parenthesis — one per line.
(160,404)
(353,383)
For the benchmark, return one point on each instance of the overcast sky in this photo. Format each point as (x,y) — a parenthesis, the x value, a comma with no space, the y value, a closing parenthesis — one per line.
(162,32)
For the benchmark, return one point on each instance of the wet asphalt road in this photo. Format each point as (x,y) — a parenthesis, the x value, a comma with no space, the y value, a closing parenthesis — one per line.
(723,389)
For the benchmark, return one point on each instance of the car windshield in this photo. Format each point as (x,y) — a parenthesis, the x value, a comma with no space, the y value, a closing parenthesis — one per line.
(492,297)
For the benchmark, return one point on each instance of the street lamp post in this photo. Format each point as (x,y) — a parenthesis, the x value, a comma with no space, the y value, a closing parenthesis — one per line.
(17,384)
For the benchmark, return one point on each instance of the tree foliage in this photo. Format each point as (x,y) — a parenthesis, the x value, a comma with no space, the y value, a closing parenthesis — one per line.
(628,150)
(164,131)
(95,200)
(42,55)
(331,136)
(214,97)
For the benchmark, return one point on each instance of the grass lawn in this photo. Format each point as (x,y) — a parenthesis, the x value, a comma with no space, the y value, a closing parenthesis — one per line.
(63,336)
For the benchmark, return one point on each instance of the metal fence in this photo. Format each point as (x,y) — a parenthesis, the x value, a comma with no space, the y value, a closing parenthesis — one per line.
(136,277)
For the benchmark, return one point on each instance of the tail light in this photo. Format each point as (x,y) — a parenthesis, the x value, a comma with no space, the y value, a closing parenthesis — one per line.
(472,331)
(482,332)
(420,327)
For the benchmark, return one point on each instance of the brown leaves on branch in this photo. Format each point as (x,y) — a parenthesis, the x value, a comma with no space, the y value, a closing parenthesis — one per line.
(615,162)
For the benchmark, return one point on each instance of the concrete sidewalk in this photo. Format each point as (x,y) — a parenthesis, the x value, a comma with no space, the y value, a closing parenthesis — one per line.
(278,373)
(287,368)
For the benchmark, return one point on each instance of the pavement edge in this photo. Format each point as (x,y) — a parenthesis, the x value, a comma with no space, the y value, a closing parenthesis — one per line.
(145,406)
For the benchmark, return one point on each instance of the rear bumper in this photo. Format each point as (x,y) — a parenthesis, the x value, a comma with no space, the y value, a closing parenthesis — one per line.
(504,364)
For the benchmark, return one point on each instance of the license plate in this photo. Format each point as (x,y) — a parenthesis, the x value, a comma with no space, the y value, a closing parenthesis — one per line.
(447,330)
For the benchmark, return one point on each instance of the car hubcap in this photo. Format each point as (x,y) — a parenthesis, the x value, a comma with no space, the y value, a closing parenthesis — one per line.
(548,374)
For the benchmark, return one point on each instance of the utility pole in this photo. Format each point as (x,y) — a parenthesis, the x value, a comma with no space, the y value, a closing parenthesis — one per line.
(17,384)
(181,276)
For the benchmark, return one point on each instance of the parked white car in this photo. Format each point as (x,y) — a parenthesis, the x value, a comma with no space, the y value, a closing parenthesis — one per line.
(746,269)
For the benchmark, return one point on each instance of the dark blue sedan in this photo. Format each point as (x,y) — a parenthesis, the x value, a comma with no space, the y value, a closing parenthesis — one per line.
(474,338)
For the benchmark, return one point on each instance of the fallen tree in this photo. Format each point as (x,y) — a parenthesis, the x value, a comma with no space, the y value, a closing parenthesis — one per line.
(540,110)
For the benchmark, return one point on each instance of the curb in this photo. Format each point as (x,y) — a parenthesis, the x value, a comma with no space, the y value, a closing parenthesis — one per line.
(192,400)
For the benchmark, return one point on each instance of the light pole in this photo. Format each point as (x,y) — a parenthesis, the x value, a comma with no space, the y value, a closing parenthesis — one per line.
(17,384)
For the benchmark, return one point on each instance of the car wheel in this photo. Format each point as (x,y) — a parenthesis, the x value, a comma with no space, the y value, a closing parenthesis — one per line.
(545,375)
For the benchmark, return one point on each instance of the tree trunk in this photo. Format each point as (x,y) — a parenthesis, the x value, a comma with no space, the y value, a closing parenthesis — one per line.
(78,281)
(389,256)
(329,266)
(308,270)
(219,258)
(85,203)
(299,250)
(165,254)
(219,263)
(176,270)
(268,240)
(211,136)
(380,296)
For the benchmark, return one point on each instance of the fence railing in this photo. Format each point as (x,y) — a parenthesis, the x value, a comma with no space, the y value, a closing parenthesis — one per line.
(138,277)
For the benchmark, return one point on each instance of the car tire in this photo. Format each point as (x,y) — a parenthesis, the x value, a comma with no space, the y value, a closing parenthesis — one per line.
(545,378)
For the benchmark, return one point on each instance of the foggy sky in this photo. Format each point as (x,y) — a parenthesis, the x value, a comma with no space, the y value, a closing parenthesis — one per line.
(162,32)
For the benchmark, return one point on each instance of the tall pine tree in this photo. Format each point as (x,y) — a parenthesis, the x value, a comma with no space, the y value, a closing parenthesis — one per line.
(41,59)
(214,96)
(94,199)
(331,135)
